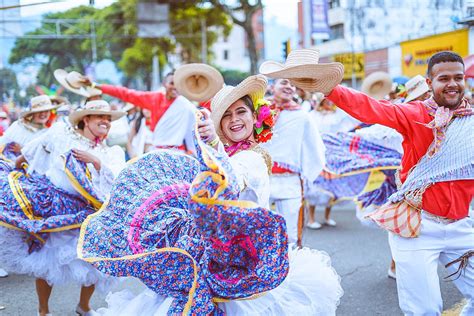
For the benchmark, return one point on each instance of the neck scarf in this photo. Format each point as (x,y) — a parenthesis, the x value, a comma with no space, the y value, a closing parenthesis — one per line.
(288,106)
(442,118)
(242,145)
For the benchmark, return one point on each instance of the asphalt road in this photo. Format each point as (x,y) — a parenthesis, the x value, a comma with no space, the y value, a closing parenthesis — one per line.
(360,255)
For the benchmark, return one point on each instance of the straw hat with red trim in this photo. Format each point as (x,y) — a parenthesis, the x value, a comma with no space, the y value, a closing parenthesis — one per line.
(303,69)
(96,107)
(253,86)
(38,104)
(377,85)
(416,87)
(74,82)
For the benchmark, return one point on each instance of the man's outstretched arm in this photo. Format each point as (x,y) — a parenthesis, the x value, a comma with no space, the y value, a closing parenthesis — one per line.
(370,110)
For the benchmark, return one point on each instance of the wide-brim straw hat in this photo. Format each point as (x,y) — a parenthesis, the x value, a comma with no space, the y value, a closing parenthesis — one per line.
(416,87)
(72,81)
(59,100)
(303,69)
(38,104)
(253,86)
(95,107)
(377,85)
(127,107)
(198,82)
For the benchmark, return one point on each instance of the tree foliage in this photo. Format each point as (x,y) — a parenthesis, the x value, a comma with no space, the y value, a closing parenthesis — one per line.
(8,83)
(247,9)
(116,39)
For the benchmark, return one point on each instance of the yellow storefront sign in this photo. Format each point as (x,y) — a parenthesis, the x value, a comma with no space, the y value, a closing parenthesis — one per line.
(351,61)
(415,53)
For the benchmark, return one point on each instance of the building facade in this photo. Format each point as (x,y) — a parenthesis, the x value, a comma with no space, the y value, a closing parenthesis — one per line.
(230,52)
(375,34)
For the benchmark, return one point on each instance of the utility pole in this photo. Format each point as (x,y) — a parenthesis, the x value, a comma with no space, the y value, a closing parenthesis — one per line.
(203,41)
(353,75)
(155,73)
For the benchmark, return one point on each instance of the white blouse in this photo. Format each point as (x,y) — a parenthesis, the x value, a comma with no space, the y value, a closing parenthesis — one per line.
(21,133)
(252,172)
(44,156)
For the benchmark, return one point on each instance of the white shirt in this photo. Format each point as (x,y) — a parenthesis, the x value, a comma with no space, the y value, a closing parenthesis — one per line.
(297,145)
(44,156)
(176,126)
(251,171)
(21,133)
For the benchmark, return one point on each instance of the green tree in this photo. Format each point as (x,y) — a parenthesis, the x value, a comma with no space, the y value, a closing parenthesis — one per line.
(116,39)
(55,53)
(247,9)
(8,83)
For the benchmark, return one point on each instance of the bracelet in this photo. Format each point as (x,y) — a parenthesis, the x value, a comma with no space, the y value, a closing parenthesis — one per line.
(213,142)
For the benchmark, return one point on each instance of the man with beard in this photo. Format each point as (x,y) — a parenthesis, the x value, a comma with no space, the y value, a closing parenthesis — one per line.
(172,116)
(437,174)
(297,151)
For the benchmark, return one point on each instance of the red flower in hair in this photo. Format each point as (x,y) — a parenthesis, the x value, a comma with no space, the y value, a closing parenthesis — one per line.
(264,136)
(269,121)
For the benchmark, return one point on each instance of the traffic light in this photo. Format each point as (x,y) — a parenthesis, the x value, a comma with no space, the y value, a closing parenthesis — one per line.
(286,48)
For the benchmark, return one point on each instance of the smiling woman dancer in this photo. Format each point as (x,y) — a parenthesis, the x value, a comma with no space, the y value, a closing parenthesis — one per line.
(196,232)
(31,124)
(70,172)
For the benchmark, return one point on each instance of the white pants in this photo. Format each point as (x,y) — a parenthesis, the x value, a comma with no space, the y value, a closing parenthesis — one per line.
(286,194)
(289,209)
(417,263)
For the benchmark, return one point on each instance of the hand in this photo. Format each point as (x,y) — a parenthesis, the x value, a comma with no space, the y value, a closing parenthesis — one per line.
(86,157)
(16,148)
(86,81)
(206,129)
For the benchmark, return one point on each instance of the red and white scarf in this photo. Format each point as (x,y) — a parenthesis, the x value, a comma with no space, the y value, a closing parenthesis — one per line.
(442,118)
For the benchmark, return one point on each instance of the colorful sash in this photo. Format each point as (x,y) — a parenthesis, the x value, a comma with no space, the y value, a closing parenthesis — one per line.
(175,222)
(453,160)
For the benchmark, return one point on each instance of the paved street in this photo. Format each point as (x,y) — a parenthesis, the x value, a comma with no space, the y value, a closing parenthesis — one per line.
(360,255)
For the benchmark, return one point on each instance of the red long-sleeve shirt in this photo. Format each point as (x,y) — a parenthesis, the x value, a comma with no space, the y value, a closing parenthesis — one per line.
(449,199)
(154,101)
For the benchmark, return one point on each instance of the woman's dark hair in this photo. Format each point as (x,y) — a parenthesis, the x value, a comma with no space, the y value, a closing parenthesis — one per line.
(138,121)
(248,102)
(81,124)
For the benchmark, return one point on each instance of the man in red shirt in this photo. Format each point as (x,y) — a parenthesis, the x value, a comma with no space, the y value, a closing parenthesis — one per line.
(172,116)
(447,231)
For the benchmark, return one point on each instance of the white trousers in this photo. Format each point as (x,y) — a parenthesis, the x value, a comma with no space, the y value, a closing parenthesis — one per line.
(289,209)
(417,263)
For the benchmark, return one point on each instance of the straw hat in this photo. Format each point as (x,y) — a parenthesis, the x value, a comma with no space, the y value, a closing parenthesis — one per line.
(127,107)
(73,81)
(96,107)
(304,71)
(59,100)
(253,86)
(39,103)
(198,82)
(416,87)
(377,85)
